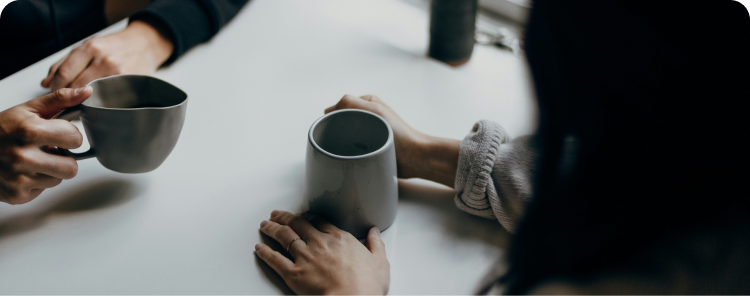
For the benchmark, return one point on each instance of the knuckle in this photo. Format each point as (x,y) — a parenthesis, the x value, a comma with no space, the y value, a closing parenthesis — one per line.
(112,67)
(23,182)
(285,229)
(334,244)
(70,171)
(87,44)
(58,95)
(64,73)
(378,109)
(26,133)
(20,160)
(345,101)
(94,46)
(108,62)
(316,240)
(339,235)
(296,272)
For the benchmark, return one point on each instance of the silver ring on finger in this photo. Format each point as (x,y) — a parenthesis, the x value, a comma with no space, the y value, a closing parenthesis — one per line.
(292,242)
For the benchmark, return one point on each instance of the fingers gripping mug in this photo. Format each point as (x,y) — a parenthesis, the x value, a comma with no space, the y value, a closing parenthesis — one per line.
(132,122)
(350,175)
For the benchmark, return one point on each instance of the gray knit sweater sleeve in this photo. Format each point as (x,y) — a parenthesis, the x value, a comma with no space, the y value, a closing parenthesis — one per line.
(494,173)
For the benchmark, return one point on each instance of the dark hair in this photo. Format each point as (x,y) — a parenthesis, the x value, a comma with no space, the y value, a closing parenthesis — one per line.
(644,125)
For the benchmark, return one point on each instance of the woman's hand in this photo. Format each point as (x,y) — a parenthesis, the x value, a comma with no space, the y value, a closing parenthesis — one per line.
(327,260)
(417,155)
(139,49)
(28,163)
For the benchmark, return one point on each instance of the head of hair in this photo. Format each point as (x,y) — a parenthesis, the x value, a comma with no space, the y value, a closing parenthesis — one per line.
(644,125)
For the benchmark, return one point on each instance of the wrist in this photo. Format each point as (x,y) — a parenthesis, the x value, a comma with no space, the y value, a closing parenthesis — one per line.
(439,159)
(157,43)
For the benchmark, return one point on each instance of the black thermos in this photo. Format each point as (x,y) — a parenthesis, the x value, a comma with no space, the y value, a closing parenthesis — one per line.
(452,24)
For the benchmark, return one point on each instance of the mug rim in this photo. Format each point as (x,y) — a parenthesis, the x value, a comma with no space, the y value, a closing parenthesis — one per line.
(131,109)
(385,146)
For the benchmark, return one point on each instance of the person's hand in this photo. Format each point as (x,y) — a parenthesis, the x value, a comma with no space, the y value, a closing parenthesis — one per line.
(28,160)
(139,49)
(327,260)
(417,155)
(408,140)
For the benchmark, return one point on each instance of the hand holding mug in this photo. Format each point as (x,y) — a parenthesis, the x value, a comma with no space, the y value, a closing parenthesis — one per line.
(29,163)
(132,122)
(417,155)
(408,140)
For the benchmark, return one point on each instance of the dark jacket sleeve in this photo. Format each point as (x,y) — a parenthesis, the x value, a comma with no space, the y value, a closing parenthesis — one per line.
(188,22)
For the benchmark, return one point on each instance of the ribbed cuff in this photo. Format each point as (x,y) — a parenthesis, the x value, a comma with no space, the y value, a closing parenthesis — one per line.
(476,159)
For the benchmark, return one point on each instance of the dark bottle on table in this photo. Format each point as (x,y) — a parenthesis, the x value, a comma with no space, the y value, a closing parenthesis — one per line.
(452,24)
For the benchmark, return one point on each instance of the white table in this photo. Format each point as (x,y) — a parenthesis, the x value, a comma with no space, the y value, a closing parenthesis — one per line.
(190,226)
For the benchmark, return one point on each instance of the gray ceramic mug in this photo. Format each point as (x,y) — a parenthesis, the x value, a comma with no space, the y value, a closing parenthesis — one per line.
(350,177)
(132,122)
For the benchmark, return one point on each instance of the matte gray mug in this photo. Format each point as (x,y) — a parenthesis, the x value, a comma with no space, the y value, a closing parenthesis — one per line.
(132,122)
(350,176)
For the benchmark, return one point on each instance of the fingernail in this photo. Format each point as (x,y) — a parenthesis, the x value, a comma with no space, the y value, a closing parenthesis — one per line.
(329,109)
(274,213)
(79,90)
(348,96)
(263,223)
(258,246)
(376,231)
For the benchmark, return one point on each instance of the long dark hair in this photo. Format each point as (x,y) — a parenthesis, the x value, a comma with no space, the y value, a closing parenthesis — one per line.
(644,124)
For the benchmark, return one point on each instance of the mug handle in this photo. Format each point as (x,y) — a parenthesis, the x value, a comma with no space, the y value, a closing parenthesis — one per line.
(69,115)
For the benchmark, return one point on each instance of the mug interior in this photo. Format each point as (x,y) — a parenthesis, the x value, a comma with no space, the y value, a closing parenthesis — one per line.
(134,91)
(350,133)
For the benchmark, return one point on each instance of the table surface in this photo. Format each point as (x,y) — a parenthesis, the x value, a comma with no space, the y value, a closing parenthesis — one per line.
(255,88)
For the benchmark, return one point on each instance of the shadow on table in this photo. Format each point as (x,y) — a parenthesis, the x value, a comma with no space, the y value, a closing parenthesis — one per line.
(271,274)
(458,223)
(99,194)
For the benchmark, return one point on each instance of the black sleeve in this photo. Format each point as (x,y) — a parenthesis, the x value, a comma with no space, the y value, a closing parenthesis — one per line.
(188,22)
